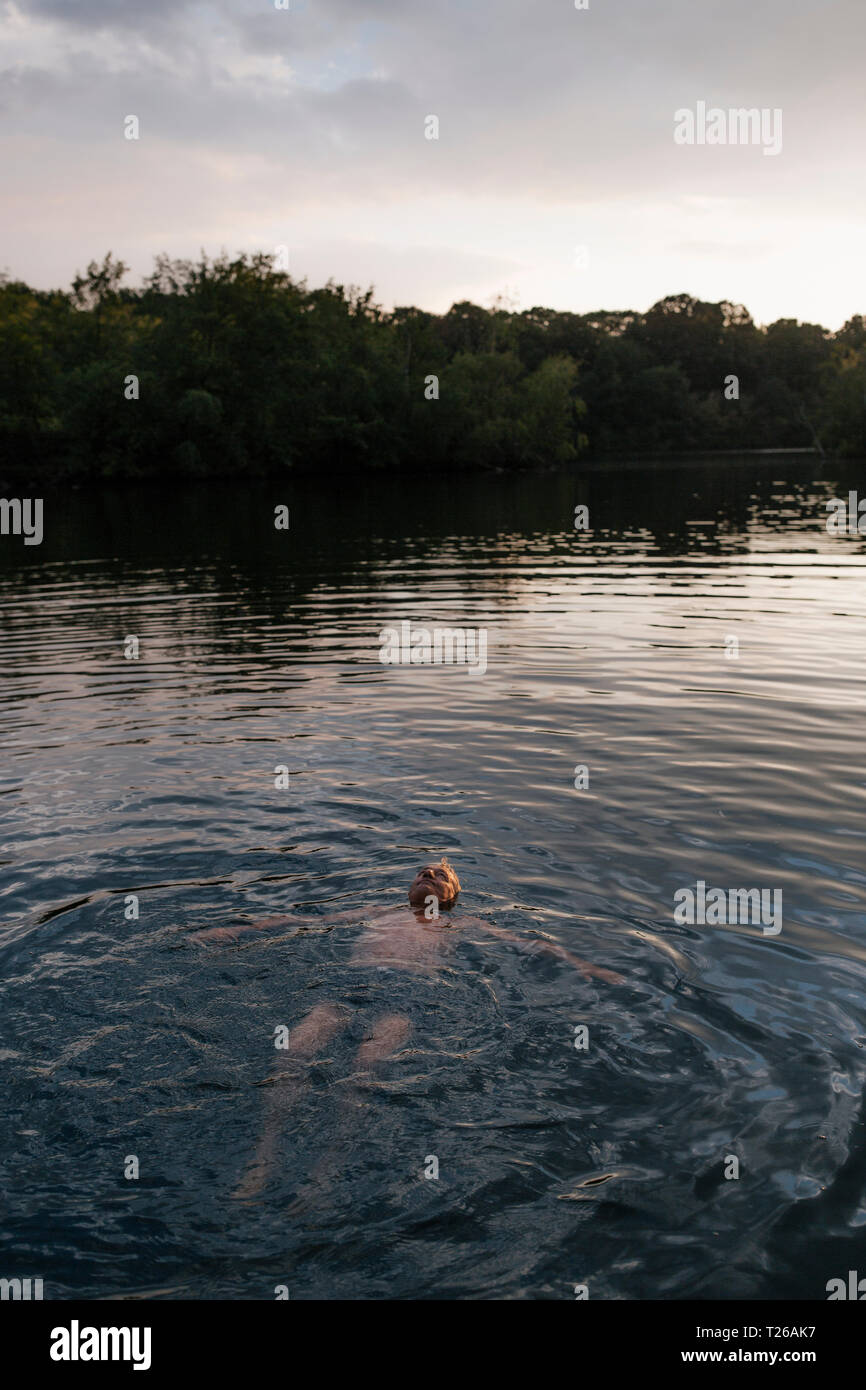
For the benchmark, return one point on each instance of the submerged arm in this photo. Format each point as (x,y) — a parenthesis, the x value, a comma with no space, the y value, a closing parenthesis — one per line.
(288,919)
(552,948)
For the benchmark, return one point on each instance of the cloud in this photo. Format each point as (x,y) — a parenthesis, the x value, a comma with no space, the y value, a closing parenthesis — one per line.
(318,113)
(99,14)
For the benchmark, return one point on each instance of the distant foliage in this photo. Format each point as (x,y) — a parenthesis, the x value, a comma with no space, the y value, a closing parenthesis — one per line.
(241,370)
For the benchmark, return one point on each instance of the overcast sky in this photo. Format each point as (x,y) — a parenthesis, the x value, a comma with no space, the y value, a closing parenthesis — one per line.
(305,128)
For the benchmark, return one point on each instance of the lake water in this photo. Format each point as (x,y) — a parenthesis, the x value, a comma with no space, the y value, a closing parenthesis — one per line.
(609,648)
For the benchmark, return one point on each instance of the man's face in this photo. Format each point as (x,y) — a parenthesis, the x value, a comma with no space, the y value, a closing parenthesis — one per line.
(434,881)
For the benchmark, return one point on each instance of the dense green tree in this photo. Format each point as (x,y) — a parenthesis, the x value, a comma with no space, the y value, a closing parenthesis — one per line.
(238,369)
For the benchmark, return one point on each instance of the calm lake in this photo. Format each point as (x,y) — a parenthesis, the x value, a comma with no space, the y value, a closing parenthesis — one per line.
(611,649)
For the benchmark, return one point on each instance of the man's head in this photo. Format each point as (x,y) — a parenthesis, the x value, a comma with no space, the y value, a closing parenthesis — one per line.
(437,881)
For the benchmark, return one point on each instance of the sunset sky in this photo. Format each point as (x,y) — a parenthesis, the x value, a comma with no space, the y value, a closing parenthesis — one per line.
(306,128)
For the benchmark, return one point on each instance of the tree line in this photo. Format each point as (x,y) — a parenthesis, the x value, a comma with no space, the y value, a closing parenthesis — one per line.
(229,367)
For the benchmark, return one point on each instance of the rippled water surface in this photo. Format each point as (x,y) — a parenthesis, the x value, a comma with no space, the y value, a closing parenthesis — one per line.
(259,648)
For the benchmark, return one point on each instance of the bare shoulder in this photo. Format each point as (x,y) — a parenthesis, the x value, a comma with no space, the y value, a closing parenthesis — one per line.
(478,923)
